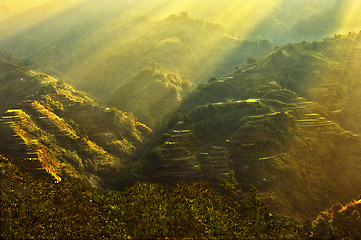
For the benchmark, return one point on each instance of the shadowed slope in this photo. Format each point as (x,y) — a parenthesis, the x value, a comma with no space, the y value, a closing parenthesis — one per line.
(298,151)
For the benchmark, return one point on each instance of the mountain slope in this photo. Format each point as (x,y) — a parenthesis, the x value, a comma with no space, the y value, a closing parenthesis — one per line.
(292,148)
(61,132)
(17,83)
(113,43)
(151,95)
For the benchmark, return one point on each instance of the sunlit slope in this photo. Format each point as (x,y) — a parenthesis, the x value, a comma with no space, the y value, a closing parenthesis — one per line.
(151,95)
(13,87)
(98,49)
(10,8)
(339,221)
(109,42)
(326,72)
(286,124)
(59,132)
(294,21)
(194,49)
(27,15)
(279,21)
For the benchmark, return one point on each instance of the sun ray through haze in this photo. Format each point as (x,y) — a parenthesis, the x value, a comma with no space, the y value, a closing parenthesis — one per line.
(351,20)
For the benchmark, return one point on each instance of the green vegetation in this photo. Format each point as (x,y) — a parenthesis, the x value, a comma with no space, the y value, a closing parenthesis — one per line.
(225,117)
(70,209)
(103,46)
(258,122)
(42,209)
(64,133)
(105,54)
(106,47)
(151,95)
(325,72)
(287,124)
(339,221)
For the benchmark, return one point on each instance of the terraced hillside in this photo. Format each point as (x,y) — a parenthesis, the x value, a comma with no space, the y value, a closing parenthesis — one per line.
(280,124)
(60,133)
(13,144)
(180,164)
(299,158)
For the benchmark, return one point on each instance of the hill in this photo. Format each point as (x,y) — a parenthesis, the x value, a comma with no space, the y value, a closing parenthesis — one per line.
(58,132)
(151,95)
(285,124)
(95,43)
(102,48)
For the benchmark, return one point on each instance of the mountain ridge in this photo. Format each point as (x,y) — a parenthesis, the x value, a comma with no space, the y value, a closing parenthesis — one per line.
(278,125)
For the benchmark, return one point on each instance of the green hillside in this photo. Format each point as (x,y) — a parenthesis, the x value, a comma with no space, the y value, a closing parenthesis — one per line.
(93,44)
(162,119)
(285,124)
(102,50)
(102,46)
(58,132)
(151,95)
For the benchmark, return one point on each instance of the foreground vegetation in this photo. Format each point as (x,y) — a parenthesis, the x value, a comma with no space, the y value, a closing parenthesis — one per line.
(71,209)
(41,209)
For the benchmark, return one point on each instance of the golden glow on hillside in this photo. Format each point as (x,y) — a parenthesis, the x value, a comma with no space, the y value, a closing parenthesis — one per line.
(351,20)
(17,15)
(10,8)
(244,15)
(241,14)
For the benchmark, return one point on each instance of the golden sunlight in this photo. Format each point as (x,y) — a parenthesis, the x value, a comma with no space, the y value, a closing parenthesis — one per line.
(351,20)
(243,15)
(10,8)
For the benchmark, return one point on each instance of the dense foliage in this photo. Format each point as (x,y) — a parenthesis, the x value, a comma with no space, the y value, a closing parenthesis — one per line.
(286,123)
(151,95)
(41,209)
(70,134)
(280,122)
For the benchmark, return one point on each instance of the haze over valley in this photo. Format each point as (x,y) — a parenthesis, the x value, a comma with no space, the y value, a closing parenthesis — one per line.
(168,119)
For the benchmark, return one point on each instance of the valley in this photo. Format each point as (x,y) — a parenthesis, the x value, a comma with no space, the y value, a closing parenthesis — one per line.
(164,124)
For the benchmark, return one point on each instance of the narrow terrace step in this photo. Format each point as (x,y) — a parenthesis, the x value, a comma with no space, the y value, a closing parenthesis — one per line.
(11,141)
(13,150)
(40,173)
(307,121)
(37,171)
(311,115)
(20,155)
(10,113)
(23,105)
(10,119)
(35,164)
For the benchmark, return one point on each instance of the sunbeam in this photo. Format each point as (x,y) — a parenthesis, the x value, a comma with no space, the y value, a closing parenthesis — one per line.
(10,8)
(351,19)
